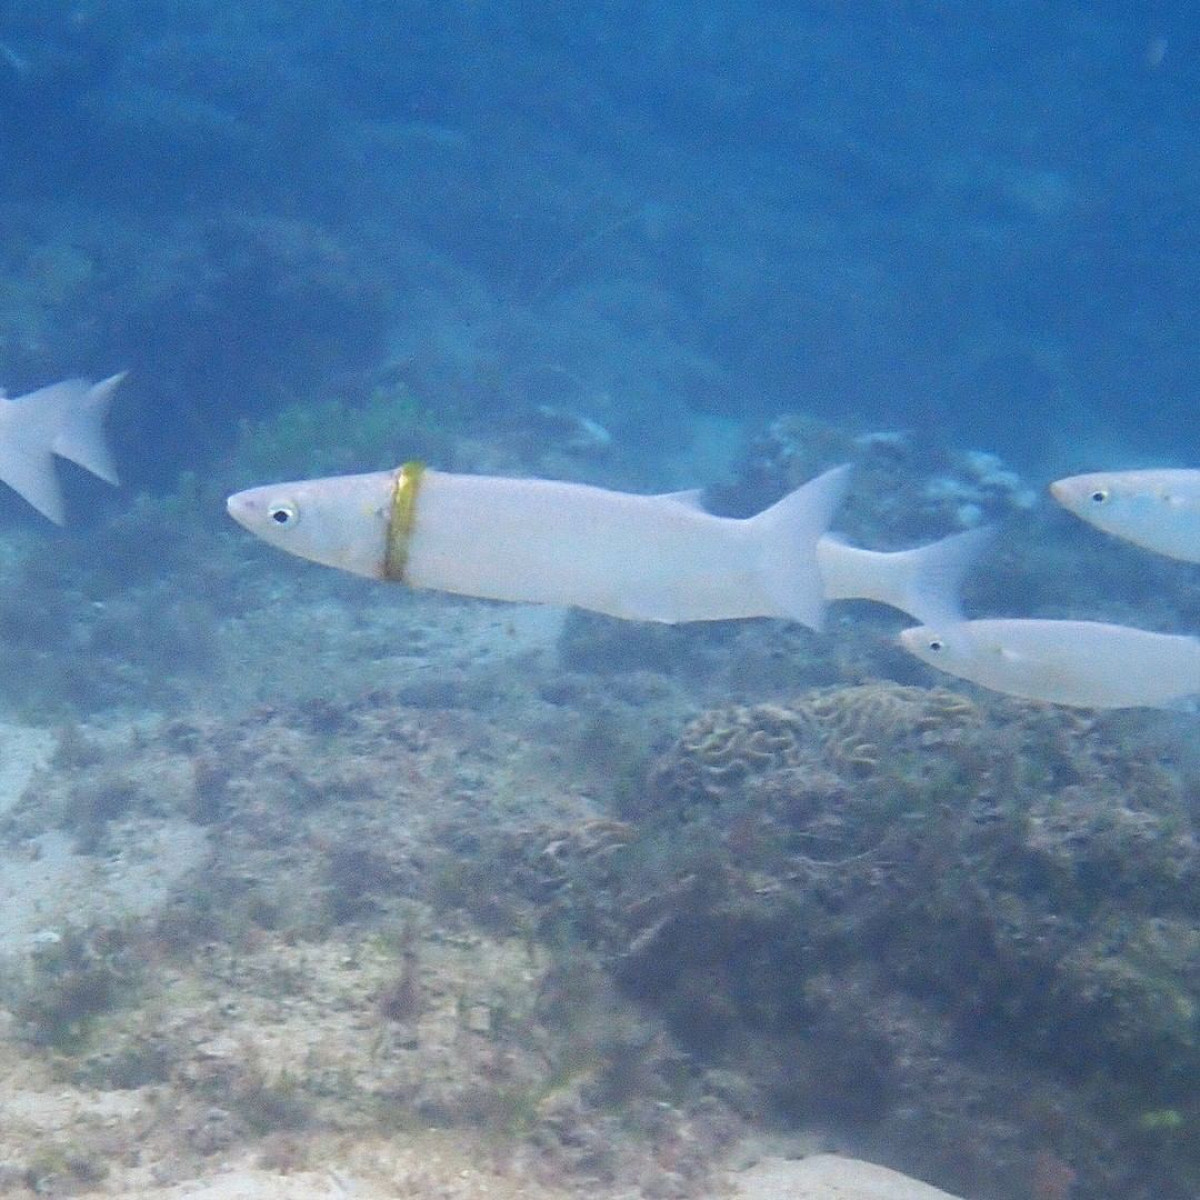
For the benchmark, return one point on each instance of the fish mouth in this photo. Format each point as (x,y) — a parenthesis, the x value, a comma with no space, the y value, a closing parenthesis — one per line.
(239,506)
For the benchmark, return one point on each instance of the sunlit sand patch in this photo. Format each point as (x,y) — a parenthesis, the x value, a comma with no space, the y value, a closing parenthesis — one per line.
(830,1177)
(23,750)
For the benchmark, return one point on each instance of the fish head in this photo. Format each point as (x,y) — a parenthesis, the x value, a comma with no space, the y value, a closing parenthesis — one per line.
(948,647)
(339,522)
(1156,508)
(1087,496)
(924,642)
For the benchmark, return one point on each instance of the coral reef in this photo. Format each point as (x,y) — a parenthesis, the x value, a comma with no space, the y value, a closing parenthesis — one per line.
(828,895)
(957,934)
(906,489)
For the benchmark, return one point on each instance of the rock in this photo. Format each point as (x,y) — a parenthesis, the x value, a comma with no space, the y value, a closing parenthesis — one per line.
(830,1177)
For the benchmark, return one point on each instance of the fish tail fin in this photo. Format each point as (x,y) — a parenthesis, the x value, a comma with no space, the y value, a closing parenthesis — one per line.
(790,530)
(925,581)
(80,437)
(28,427)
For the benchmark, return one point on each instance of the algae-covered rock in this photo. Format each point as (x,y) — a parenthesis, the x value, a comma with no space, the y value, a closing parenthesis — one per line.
(858,897)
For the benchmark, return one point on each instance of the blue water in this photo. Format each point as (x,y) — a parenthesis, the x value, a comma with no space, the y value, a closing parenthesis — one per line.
(974,220)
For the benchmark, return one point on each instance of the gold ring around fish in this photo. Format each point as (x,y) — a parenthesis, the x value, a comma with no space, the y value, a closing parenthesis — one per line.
(404,511)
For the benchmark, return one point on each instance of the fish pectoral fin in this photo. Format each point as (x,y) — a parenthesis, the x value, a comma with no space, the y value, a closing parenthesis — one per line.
(1010,656)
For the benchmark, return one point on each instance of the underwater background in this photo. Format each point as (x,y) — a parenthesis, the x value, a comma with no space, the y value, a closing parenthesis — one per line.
(304,874)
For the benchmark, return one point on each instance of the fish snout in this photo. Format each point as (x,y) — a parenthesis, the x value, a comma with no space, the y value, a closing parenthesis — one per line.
(240,506)
(1060,490)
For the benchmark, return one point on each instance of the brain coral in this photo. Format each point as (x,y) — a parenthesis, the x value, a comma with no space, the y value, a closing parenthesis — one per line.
(852,731)
(871,884)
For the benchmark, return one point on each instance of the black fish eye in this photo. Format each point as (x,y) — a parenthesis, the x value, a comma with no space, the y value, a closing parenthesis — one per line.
(282,514)
(935,644)
(1099,496)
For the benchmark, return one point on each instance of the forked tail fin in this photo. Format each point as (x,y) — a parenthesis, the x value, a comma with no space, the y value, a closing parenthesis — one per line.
(790,531)
(28,427)
(923,582)
(80,437)
(64,418)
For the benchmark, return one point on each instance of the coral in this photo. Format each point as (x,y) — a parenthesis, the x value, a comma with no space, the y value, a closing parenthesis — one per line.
(916,914)
(905,489)
(59,1169)
(850,731)
(991,874)
(591,842)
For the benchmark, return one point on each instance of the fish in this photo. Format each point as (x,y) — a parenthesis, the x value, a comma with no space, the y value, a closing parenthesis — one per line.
(1158,510)
(1084,664)
(65,420)
(638,557)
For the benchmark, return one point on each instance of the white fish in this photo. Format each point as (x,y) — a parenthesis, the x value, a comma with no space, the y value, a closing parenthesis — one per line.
(1088,664)
(64,419)
(1156,509)
(649,558)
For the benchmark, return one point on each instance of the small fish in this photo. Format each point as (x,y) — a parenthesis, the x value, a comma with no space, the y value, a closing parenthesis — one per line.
(64,419)
(1087,664)
(647,558)
(1158,510)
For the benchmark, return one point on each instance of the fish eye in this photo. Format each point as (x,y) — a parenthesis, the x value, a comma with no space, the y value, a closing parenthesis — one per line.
(935,645)
(1099,496)
(283,514)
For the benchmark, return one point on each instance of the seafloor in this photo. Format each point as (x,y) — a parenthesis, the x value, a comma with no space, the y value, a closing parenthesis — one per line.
(368,888)
(324,888)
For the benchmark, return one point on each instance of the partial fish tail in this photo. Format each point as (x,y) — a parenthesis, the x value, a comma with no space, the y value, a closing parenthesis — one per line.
(931,576)
(64,419)
(80,437)
(28,427)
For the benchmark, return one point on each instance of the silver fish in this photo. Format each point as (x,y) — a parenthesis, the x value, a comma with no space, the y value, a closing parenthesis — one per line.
(1158,510)
(649,558)
(1088,664)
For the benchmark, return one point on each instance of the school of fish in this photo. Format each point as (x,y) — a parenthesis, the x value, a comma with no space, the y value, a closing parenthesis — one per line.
(664,558)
